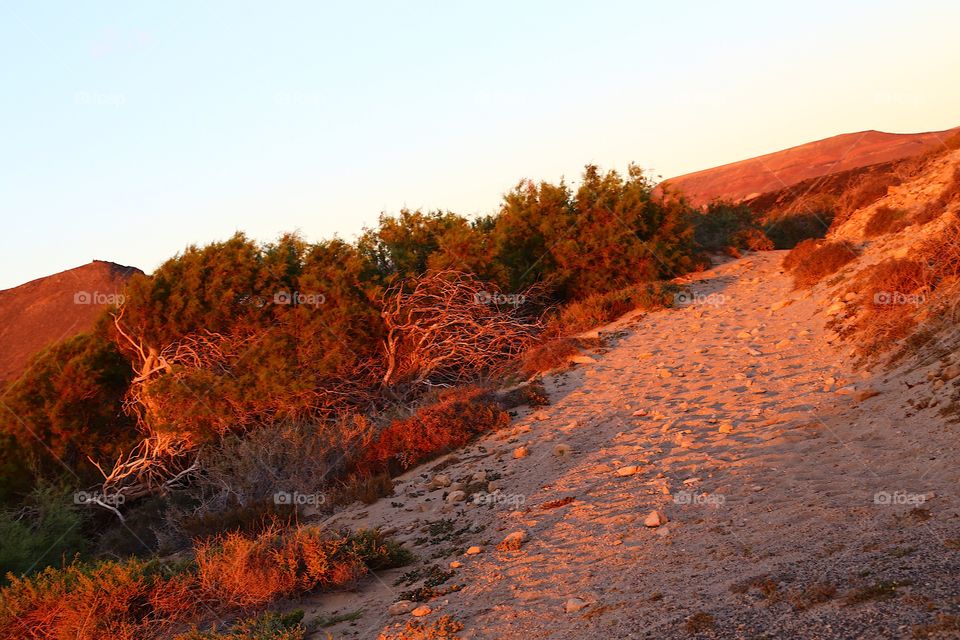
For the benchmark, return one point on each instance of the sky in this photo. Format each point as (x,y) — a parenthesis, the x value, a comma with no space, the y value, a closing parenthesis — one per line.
(130,130)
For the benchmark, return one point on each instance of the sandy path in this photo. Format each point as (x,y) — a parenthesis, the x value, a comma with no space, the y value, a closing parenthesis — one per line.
(752,438)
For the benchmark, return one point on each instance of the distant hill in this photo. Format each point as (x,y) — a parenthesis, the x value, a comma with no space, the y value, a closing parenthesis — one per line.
(47,310)
(771,172)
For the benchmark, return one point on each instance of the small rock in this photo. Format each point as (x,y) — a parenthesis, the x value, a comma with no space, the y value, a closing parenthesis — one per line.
(726,427)
(480,476)
(472,551)
(521,452)
(421,611)
(575,604)
(654,519)
(582,359)
(951,372)
(493,485)
(456,496)
(456,564)
(664,373)
(663,531)
(439,481)
(628,470)
(513,541)
(401,607)
(866,394)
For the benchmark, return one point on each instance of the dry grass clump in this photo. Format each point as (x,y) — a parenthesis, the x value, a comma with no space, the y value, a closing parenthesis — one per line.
(886,220)
(599,309)
(813,260)
(547,356)
(458,416)
(865,191)
(245,573)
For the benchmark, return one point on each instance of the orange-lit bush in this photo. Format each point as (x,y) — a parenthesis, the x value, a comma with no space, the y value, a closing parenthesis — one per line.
(813,260)
(454,420)
(548,355)
(244,572)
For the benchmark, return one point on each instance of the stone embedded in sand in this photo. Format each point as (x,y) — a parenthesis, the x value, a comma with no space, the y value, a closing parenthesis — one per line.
(628,470)
(479,476)
(562,450)
(783,344)
(575,604)
(456,496)
(521,452)
(663,531)
(654,519)
(726,427)
(582,359)
(439,481)
(401,607)
(640,412)
(421,611)
(743,335)
(513,541)
(866,394)
(949,373)
(474,550)
(456,564)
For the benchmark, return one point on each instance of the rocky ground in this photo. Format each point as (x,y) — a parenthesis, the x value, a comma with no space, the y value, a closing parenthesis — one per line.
(721,470)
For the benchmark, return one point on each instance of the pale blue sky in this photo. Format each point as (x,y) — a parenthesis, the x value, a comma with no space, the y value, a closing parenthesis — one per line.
(129,130)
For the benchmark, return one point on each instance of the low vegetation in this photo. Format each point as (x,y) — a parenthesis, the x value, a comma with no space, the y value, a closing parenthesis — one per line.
(813,260)
(137,600)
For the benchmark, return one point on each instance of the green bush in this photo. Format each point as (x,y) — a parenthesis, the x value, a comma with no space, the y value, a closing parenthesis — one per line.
(46,531)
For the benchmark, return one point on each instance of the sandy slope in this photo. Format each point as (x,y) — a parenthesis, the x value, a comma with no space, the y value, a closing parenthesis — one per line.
(787,496)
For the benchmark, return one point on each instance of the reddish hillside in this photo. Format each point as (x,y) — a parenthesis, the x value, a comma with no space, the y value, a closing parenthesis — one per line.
(774,171)
(46,310)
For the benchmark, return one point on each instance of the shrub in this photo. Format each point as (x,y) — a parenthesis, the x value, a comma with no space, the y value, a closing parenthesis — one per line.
(788,230)
(891,292)
(458,416)
(44,532)
(886,220)
(141,600)
(813,260)
(866,190)
(598,309)
(726,226)
(129,600)
(243,572)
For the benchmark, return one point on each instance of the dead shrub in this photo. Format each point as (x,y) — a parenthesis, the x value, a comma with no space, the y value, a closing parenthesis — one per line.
(886,220)
(813,260)
(891,292)
(458,416)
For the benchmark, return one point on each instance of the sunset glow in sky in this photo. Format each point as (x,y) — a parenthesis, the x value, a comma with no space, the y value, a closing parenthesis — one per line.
(130,130)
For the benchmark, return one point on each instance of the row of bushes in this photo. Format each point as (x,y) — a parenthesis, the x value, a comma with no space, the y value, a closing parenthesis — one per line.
(138,600)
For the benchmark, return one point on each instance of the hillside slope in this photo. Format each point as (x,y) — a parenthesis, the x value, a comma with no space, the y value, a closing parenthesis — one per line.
(805,497)
(773,171)
(53,308)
